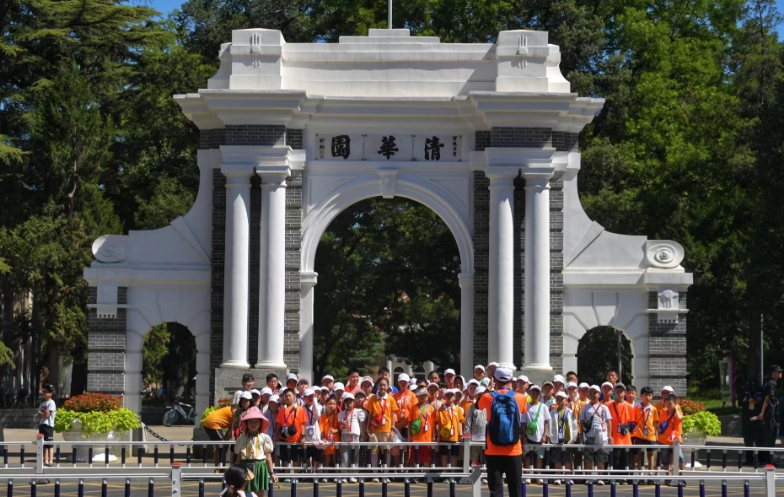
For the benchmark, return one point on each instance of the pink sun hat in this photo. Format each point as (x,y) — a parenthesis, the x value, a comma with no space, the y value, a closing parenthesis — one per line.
(253,413)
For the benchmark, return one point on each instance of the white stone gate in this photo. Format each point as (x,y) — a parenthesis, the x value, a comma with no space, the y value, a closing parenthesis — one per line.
(292,134)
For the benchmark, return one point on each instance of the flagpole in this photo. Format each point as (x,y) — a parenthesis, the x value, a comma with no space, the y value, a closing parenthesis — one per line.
(389,14)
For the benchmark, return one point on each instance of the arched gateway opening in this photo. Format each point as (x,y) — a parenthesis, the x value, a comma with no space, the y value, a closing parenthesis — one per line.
(388,285)
(598,352)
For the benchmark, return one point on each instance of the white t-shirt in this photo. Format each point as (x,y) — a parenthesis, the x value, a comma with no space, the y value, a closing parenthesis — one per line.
(600,421)
(351,420)
(49,420)
(530,418)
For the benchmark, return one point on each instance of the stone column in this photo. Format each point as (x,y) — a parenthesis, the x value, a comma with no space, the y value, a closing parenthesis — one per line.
(501,271)
(307,281)
(537,270)
(272,280)
(466,324)
(236,270)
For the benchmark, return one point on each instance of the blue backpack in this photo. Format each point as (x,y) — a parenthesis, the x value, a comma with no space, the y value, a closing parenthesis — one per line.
(505,422)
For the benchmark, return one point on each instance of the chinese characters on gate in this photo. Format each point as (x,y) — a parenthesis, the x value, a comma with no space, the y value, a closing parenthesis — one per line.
(389,147)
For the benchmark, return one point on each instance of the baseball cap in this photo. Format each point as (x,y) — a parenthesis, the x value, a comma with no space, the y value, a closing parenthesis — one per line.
(291,376)
(275,399)
(595,387)
(561,393)
(327,378)
(324,389)
(412,386)
(481,390)
(266,391)
(421,391)
(347,395)
(584,385)
(548,382)
(366,378)
(523,378)
(246,395)
(667,389)
(607,384)
(472,381)
(535,387)
(403,377)
(432,385)
(572,384)
(338,386)
(479,366)
(449,391)
(620,385)
(308,392)
(558,378)
(449,371)
(776,369)
(255,392)
(503,374)
(493,364)
(303,379)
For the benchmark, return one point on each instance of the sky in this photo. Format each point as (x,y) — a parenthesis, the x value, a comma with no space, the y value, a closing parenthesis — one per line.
(166,6)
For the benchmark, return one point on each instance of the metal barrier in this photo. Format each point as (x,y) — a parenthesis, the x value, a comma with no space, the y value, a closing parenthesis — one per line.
(624,472)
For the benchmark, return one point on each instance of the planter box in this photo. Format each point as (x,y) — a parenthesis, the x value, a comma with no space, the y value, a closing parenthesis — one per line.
(83,451)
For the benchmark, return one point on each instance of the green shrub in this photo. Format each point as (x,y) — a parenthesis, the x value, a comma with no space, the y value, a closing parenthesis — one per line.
(97,422)
(206,413)
(704,421)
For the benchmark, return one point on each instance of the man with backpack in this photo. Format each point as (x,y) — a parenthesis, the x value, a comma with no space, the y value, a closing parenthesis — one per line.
(504,411)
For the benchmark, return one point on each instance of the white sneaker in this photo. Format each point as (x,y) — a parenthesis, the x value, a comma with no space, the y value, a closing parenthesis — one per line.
(375,480)
(556,482)
(351,480)
(527,481)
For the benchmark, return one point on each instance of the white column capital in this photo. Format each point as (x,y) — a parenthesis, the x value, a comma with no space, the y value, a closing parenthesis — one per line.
(273,175)
(237,176)
(308,278)
(502,181)
(466,280)
(537,177)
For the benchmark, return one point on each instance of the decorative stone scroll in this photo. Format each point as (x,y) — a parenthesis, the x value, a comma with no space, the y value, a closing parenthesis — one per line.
(110,249)
(664,254)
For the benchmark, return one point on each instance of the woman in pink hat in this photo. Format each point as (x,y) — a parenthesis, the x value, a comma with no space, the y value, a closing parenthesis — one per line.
(254,449)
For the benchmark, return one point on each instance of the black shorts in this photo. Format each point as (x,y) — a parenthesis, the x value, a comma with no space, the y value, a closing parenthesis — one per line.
(213,434)
(449,450)
(312,452)
(48,433)
(641,442)
(293,453)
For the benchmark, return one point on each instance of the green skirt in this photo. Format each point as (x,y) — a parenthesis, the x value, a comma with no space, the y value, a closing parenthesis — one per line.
(261,476)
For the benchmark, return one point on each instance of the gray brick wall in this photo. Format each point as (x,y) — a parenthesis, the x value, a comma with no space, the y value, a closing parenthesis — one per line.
(667,348)
(556,272)
(481,261)
(294,138)
(256,134)
(566,142)
(526,137)
(255,268)
(483,140)
(519,271)
(218,261)
(293,245)
(106,347)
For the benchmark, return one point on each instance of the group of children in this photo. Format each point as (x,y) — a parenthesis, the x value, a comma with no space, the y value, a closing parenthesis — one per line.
(298,424)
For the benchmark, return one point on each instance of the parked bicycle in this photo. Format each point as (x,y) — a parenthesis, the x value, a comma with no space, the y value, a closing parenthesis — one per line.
(176,412)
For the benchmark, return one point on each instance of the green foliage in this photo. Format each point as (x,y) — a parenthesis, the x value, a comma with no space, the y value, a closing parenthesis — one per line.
(156,347)
(206,413)
(597,353)
(705,421)
(96,421)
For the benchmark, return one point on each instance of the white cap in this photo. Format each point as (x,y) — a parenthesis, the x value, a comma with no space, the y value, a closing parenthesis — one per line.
(291,376)
(449,371)
(595,387)
(308,392)
(413,381)
(493,364)
(524,378)
(347,395)
(246,395)
(560,378)
(584,385)
(327,377)
(572,384)
(534,387)
(667,389)
(403,377)
(412,386)
(303,379)
(266,391)
(479,366)
(255,392)
(608,384)
(325,389)
(449,391)
(472,381)
(338,386)
(480,390)
(366,378)
(275,399)
(432,385)
(561,393)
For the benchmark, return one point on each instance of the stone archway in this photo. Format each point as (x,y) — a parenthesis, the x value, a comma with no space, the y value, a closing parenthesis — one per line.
(597,354)
(440,194)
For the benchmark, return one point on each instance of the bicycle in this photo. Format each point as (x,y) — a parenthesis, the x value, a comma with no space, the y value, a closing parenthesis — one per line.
(175,412)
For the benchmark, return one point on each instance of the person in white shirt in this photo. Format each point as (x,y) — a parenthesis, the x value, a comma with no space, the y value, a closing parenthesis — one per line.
(536,422)
(247,385)
(46,414)
(595,424)
(311,433)
(563,431)
(351,421)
